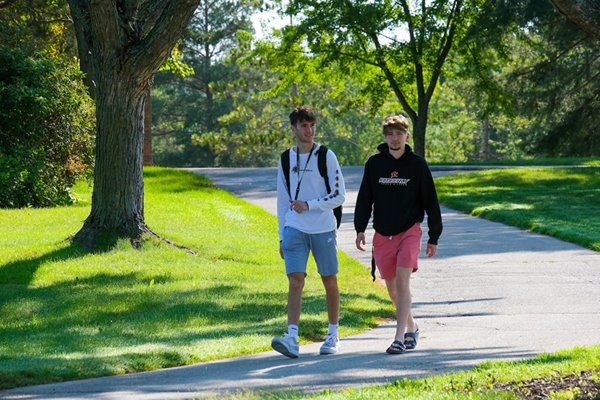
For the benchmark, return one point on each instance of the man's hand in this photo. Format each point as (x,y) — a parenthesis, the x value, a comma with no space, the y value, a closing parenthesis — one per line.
(298,205)
(280,250)
(360,241)
(431,250)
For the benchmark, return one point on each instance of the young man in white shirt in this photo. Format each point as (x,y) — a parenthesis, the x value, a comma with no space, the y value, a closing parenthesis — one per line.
(307,224)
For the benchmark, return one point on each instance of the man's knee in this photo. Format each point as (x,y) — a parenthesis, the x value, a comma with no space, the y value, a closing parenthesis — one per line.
(403,277)
(330,282)
(296,280)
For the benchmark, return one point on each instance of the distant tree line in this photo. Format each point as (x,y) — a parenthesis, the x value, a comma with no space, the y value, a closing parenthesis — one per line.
(480,81)
(519,80)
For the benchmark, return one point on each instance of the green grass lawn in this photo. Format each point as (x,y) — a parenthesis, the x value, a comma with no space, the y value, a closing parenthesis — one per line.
(68,314)
(564,161)
(554,373)
(560,202)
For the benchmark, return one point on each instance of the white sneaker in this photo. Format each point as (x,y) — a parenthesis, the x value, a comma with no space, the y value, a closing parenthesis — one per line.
(287,345)
(331,345)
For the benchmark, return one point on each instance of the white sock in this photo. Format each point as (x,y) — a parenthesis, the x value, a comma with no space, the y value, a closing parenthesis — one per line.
(293,330)
(333,329)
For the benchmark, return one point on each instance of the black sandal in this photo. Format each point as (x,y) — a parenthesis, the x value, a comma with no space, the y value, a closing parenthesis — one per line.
(410,339)
(397,347)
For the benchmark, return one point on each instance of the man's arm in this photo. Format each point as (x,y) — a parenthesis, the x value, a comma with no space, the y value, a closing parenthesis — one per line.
(364,203)
(283,200)
(432,208)
(360,241)
(336,184)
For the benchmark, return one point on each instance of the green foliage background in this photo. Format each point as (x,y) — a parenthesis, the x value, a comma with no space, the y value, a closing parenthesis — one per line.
(521,83)
(46,130)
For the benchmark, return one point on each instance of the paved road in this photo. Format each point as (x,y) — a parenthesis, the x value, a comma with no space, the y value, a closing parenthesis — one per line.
(492,293)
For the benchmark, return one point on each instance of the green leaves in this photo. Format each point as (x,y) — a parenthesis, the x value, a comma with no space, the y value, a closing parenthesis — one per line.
(46,130)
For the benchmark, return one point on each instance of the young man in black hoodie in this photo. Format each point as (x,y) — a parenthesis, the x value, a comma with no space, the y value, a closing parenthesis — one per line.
(397,187)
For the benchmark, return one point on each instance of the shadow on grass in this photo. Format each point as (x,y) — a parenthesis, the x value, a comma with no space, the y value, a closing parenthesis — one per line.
(114,324)
(126,309)
(21,272)
(109,324)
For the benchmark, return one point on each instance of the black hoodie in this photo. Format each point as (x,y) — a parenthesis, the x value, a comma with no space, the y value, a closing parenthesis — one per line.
(398,191)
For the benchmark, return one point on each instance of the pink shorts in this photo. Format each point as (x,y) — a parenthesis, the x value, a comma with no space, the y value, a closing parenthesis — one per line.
(398,251)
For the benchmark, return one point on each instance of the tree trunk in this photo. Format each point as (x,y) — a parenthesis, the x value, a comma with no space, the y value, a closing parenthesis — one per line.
(420,125)
(148,156)
(122,44)
(118,196)
(485,139)
(418,132)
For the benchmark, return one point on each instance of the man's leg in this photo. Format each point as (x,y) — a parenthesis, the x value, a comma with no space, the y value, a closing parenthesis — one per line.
(288,344)
(390,284)
(296,285)
(324,248)
(411,325)
(332,295)
(295,252)
(403,301)
(331,345)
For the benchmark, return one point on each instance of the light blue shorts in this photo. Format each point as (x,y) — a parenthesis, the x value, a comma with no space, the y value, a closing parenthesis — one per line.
(296,246)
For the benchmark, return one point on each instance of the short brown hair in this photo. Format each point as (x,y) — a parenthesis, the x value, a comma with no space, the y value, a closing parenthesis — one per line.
(302,114)
(398,122)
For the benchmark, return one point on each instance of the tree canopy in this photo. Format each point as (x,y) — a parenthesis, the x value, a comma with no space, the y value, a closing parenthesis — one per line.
(583,13)
(408,41)
(480,80)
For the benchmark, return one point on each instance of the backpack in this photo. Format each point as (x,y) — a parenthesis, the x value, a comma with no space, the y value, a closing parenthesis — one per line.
(322,163)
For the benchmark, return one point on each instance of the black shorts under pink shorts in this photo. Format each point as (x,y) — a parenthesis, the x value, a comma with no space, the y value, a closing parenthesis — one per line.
(401,250)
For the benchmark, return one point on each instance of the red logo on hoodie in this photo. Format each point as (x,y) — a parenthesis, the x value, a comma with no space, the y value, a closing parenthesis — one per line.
(394,174)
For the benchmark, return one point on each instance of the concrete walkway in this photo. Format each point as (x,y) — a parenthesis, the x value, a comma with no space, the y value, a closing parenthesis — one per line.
(492,293)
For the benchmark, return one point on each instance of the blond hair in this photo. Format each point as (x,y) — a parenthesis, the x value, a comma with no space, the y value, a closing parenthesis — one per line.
(395,122)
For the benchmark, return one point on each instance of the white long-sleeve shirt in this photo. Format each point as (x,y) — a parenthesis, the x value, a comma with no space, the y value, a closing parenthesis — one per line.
(319,218)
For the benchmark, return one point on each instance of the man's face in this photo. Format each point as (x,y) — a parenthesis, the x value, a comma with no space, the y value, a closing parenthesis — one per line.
(396,138)
(305,131)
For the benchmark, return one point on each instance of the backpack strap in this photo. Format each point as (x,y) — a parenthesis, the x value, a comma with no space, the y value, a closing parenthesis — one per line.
(285,166)
(322,163)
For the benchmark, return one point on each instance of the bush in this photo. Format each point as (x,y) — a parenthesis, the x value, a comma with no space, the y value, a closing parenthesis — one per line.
(46,130)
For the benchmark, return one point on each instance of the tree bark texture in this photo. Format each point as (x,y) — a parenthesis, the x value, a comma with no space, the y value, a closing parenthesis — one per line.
(118,196)
(419,131)
(583,13)
(124,43)
(148,154)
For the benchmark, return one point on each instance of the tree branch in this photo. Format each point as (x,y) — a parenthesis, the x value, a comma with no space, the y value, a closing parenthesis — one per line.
(104,24)
(583,13)
(392,80)
(80,13)
(6,3)
(174,16)
(445,47)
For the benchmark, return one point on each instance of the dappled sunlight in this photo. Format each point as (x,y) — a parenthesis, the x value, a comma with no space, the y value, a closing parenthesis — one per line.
(503,207)
(560,202)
